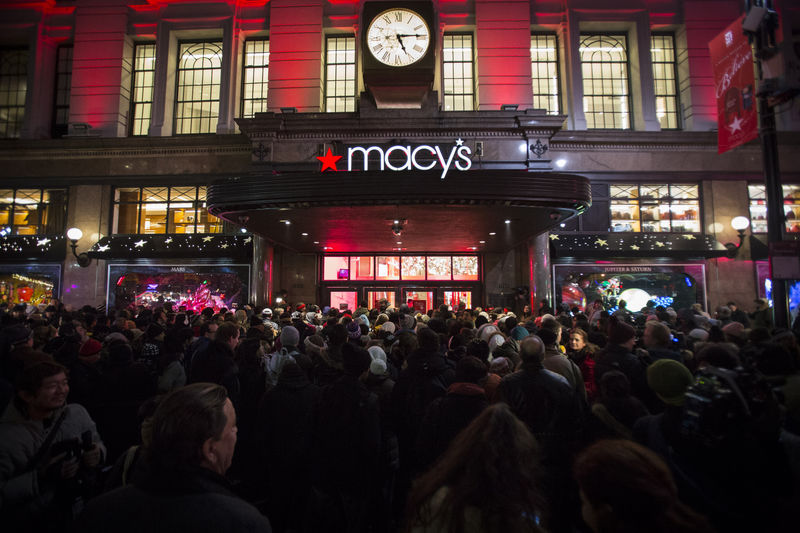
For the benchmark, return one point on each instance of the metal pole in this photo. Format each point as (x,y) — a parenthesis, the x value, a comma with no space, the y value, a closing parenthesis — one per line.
(764,37)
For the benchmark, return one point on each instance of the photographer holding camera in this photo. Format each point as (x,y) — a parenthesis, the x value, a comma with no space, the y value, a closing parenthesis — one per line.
(49,452)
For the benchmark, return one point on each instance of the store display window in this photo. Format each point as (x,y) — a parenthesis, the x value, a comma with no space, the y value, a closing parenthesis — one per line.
(655,208)
(387,267)
(412,267)
(361,268)
(440,267)
(758,208)
(153,210)
(33,211)
(29,284)
(465,268)
(194,286)
(676,285)
(335,268)
(396,268)
(454,299)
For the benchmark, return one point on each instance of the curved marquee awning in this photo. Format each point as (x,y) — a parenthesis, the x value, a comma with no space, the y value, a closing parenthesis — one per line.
(355,211)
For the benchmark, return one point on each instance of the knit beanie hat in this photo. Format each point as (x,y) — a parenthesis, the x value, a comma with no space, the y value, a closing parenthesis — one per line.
(669,379)
(376,352)
(90,347)
(388,327)
(290,336)
(734,329)
(495,342)
(354,330)
(519,333)
(620,332)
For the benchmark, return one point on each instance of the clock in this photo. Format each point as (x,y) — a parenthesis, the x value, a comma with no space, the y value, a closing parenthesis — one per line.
(398,37)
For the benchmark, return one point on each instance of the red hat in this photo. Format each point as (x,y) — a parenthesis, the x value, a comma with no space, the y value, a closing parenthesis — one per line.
(90,347)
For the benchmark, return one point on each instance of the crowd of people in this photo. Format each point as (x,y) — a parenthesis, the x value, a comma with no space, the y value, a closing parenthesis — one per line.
(304,418)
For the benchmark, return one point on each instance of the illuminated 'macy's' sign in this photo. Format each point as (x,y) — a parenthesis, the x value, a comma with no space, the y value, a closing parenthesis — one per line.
(399,157)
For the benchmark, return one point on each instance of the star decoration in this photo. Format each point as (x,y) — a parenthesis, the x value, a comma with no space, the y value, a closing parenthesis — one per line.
(660,244)
(168,240)
(224,245)
(42,242)
(459,142)
(248,239)
(139,243)
(553,237)
(634,247)
(103,248)
(601,242)
(689,237)
(736,125)
(329,161)
(207,238)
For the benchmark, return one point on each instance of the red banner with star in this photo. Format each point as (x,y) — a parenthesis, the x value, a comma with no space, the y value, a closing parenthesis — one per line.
(734,82)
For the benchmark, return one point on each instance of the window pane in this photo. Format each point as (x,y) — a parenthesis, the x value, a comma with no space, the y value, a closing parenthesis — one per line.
(419,301)
(144,67)
(457,80)
(662,55)
(199,74)
(255,77)
(465,268)
(413,267)
(439,267)
(343,300)
(387,267)
(604,63)
(13,88)
(375,299)
(361,268)
(62,90)
(544,68)
(454,299)
(334,268)
(340,74)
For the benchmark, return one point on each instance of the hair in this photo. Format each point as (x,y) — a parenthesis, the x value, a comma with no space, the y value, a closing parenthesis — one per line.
(470,369)
(631,490)
(428,340)
(659,332)
(227,331)
(490,466)
(590,346)
(183,421)
(531,349)
(32,376)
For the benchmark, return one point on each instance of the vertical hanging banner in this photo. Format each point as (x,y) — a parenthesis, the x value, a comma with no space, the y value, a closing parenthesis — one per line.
(734,81)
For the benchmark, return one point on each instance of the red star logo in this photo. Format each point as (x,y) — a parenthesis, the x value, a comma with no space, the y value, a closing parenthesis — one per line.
(329,161)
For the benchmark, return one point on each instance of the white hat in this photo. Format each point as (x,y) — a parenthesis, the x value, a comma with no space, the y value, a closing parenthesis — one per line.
(495,342)
(267,311)
(377,367)
(388,327)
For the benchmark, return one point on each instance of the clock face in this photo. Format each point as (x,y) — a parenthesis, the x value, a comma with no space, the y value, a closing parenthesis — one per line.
(398,37)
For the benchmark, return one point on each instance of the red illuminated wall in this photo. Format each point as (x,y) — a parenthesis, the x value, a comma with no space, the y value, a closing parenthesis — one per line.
(295,54)
(503,39)
(98,78)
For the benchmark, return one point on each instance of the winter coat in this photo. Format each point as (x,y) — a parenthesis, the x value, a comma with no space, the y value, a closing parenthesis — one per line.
(197,501)
(585,361)
(616,357)
(347,438)
(445,417)
(172,377)
(22,492)
(557,362)
(425,378)
(549,406)
(215,365)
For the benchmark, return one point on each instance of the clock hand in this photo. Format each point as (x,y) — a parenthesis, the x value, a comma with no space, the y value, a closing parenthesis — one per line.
(409,35)
(400,40)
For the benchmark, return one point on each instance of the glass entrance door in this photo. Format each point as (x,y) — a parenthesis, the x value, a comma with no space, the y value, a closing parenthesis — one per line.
(419,300)
(343,299)
(375,296)
(453,298)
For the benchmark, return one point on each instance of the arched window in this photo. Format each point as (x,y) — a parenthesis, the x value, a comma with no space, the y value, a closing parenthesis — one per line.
(199,79)
(606,87)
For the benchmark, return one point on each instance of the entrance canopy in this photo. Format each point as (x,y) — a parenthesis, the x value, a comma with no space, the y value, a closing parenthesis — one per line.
(369,211)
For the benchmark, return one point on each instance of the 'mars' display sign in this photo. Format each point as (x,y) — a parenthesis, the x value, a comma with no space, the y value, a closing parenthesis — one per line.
(403,158)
